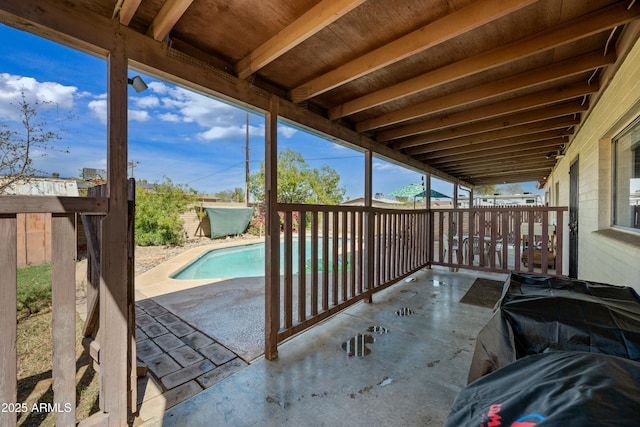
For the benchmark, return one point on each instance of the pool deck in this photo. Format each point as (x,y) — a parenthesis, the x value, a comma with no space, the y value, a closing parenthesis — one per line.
(204,352)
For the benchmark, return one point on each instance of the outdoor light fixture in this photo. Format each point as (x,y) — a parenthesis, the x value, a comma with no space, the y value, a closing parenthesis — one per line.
(138,84)
(557,154)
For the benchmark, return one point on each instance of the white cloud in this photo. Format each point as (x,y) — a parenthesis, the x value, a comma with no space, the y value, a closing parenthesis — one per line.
(220,132)
(50,94)
(169,117)
(384,166)
(287,131)
(146,101)
(218,119)
(98,108)
(139,115)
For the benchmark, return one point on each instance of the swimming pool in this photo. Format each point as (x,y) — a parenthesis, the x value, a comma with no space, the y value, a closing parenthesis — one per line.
(243,261)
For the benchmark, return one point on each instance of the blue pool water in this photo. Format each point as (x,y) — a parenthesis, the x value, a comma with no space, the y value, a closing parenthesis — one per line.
(240,261)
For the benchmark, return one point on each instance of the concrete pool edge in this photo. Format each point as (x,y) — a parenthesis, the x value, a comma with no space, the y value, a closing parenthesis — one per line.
(157,281)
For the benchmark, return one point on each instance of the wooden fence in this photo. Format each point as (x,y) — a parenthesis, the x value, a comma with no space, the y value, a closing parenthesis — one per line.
(63,241)
(63,212)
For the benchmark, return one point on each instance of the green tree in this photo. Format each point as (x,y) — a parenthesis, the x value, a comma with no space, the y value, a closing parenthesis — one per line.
(32,138)
(481,190)
(298,183)
(235,195)
(158,213)
(512,189)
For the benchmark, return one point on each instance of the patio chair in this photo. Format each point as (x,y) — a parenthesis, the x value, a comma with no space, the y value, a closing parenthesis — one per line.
(537,244)
(451,245)
(477,245)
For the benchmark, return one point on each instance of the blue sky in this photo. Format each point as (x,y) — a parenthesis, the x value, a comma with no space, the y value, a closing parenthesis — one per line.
(190,138)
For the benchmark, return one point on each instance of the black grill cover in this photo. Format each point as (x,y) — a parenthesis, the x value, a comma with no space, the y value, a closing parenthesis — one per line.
(563,389)
(542,313)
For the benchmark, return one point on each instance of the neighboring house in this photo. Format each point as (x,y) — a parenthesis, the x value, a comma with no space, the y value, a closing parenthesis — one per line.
(376,203)
(603,161)
(34,229)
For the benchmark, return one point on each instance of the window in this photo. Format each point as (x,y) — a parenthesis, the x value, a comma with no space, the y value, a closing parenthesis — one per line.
(626,177)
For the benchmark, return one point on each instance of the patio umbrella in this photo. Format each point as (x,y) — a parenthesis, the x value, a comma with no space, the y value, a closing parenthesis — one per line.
(416,190)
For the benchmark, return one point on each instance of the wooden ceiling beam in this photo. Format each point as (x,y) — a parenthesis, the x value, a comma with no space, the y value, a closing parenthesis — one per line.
(314,20)
(506,122)
(530,174)
(499,150)
(170,12)
(520,166)
(466,19)
(566,32)
(511,179)
(498,109)
(127,9)
(528,79)
(468,141)
(505,156)
(506,143)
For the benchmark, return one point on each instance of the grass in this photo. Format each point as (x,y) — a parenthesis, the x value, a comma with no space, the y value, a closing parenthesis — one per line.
(35,350)
(34,289)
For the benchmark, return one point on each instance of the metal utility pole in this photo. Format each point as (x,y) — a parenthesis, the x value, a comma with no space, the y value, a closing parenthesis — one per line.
(132,165)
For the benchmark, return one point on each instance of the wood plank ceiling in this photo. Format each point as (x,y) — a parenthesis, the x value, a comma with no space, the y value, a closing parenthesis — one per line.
(487,91)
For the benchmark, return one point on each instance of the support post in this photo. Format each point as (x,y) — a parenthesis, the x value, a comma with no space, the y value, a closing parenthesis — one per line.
(272,235)
(429,225)
(114,317)
(8,333)
(369,219)
(456,188)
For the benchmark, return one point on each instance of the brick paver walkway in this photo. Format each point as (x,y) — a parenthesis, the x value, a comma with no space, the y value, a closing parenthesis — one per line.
(182,361)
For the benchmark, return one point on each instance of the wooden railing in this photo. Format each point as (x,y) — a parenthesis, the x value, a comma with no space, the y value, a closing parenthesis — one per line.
(334,256)
(63,210)
(498,239)
(93,333)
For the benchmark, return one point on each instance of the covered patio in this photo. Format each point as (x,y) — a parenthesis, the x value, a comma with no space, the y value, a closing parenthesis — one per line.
(472,92)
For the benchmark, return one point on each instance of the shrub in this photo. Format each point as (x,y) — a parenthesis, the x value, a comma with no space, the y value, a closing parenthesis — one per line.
(158,213)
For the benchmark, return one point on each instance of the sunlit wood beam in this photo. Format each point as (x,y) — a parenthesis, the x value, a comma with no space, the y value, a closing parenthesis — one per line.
(505,122)
(540,171)
(473,16)
(503,148)
(499,143)
(520,166)
(127,10)
(314,20)
(494,135)
(512,178)
(170,12)
(505,156)
(528,79)
(498,109)
(563,33)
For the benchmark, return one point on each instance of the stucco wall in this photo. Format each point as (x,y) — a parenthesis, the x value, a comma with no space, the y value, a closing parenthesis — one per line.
(604,254)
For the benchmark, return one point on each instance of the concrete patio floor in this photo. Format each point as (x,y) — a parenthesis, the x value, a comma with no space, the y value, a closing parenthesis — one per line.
(410,376)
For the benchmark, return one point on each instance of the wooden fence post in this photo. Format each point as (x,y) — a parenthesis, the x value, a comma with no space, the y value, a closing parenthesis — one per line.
(63,300)
(8,331)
